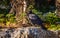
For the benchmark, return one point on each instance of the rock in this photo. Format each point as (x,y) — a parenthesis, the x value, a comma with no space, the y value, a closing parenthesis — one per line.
(30,32)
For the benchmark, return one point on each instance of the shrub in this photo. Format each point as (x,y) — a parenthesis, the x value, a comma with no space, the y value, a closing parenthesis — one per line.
(2,20)
(51,18)
(1,15)
(10,18)
(9,15)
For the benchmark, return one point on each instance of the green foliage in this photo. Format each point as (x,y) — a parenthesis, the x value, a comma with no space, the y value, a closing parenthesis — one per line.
(10,15)
(30,7)
(51,18)
(2,20)
(1,15)
(7,19)
(10,18)
(54,27)
(38,13)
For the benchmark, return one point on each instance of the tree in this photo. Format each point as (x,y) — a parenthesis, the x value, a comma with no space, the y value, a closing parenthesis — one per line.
(58,8)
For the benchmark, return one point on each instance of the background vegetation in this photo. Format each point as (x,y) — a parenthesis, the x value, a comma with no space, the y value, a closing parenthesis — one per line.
(39,7)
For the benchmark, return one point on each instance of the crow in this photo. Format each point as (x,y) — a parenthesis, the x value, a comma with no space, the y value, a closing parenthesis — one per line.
(35,19)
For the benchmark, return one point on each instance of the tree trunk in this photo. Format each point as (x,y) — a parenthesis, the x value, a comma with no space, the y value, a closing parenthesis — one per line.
(18,8)
(58,8)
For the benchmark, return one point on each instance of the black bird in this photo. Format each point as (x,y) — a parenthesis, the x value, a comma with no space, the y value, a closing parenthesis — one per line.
(35,19)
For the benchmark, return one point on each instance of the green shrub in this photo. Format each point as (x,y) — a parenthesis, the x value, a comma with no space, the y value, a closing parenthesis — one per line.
(10,18)
(1,15)
(38,13)
(53,27)
(2,20)
(51,18)
(10,15)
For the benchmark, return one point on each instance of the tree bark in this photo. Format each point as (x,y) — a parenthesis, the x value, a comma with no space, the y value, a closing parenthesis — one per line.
(18,8)
(58,8)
